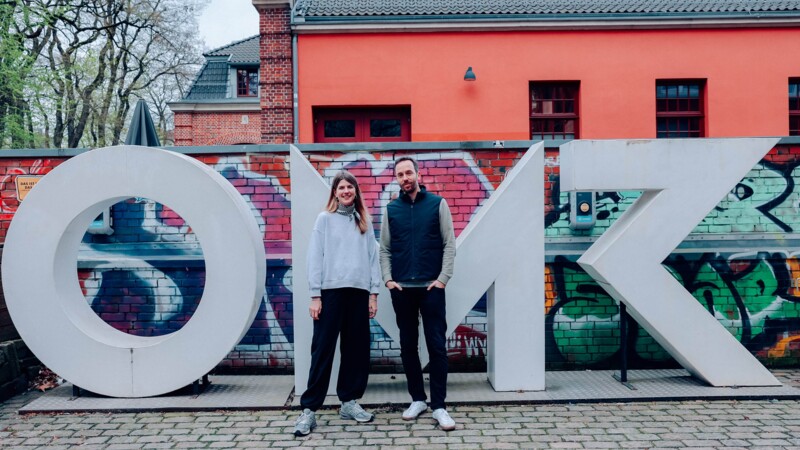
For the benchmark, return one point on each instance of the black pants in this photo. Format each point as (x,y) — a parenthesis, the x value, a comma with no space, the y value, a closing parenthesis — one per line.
(409,304)
(345,311)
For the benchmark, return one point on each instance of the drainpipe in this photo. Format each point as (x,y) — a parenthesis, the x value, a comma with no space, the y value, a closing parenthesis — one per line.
(295,112)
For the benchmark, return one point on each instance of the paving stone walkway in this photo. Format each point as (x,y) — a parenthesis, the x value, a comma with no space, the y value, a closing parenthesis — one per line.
(760,424)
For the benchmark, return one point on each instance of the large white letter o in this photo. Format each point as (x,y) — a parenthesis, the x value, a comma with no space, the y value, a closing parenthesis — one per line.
(50,311)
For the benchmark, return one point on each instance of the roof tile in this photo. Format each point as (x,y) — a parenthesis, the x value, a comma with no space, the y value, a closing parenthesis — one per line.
(211,82)
(365,8)
(241,52)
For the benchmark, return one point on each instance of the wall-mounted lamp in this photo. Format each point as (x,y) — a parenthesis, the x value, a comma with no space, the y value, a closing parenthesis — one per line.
(470,75)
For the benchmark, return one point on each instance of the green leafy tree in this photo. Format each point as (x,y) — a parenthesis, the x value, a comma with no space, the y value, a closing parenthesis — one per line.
(22,23)
(70,70)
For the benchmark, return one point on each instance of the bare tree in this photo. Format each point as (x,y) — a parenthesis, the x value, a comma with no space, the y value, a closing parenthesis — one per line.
(161,51)
(163,91)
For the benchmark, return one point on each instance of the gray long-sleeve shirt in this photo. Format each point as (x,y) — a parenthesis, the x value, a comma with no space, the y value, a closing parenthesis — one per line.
(448,242)
(339,256)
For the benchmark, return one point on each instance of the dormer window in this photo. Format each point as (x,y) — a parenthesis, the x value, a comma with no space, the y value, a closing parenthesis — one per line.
(247,82)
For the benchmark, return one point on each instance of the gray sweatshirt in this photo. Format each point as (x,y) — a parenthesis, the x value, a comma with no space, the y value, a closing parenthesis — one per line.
(340,256)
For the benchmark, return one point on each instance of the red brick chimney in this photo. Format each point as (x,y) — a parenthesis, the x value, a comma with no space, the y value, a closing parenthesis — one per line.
(275,75)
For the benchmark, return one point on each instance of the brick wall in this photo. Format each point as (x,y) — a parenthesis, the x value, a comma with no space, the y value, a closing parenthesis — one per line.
(756,295)
(217,128)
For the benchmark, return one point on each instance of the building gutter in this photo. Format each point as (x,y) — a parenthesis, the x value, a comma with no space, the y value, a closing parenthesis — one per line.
(293,14)
(295,92)
(184,106)
(381,24)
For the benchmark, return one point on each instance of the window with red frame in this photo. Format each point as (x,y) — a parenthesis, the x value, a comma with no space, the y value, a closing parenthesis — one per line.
(368,124)
(554,110)
(247,82)
(679,108)
(794,107)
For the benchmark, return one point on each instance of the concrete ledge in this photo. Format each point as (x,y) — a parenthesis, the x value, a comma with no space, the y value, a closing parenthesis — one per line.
(276,392)
(225,392)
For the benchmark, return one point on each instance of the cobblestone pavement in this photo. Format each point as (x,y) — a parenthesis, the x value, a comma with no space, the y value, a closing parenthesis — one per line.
(752,424)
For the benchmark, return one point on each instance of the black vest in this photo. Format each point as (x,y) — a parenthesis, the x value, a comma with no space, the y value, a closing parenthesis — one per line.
(416,244)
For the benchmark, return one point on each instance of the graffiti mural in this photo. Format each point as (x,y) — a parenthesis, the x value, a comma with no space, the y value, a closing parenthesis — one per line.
(157,288)
(753,295)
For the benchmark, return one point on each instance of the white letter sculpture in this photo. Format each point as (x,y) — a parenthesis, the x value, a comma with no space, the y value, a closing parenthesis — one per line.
(50,311)
(501,250)
(309,195)
(682,180)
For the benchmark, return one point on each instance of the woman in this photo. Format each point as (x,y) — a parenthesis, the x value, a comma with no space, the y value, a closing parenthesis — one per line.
(343,277)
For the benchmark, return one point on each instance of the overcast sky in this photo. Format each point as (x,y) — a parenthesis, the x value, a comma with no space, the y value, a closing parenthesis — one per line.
(225,21)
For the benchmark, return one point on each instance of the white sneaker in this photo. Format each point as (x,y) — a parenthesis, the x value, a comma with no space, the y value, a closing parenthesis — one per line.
(446,423)
(414,410)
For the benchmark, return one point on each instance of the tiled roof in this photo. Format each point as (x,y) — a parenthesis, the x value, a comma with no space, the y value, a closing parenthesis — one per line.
(241,52)
(211,82)
(591,8)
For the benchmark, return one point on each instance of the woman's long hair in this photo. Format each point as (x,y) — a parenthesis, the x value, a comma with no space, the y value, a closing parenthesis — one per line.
(364,218)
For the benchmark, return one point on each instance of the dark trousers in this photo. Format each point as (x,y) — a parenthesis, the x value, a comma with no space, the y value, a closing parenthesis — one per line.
(345,311)
(409,304)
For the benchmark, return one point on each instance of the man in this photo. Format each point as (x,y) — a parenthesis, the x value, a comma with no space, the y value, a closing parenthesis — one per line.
(418,247)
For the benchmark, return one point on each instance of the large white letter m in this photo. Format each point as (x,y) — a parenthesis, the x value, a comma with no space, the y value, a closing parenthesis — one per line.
(501,251)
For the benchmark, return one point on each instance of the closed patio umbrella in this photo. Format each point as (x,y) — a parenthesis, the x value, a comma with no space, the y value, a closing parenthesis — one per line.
(142,130)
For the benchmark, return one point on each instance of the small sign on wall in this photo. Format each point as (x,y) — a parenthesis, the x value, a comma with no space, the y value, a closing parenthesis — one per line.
(24,185)
(581,210)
